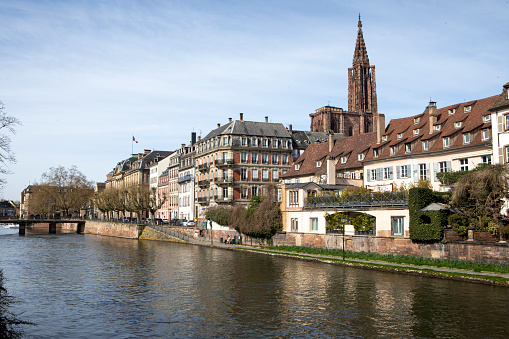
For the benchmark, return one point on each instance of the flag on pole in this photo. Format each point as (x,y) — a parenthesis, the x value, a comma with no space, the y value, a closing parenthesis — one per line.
(134,139)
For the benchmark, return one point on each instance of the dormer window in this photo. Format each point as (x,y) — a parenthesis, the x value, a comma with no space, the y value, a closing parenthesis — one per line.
(375,153)
(360,156)
(400,135)
(457,124)
(343,160)
(466,138)
(467,109)
(416,131)
(485,134)
(447,142)
(297,166)
(437,127)
(452,111)
(318,163)
(486,118)
(244,141)
(384,138)
(264,142)
(274,143)
(393,150)
(425,145)
(407,148)
(416,120)
(254,142)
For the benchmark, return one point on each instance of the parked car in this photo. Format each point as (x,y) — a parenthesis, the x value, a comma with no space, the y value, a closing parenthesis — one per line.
(165,221)
(190,223)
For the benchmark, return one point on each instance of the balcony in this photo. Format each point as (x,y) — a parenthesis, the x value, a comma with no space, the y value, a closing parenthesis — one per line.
(359,201)
(203,183)
(221,199)
(203,167)
(224,162)
(265,179)
(203,200)
(184,178)
(223,181)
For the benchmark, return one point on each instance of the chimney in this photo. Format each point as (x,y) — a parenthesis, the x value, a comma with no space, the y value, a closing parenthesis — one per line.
(199,137)
(193,138)
(330,163)
(380,127)
(229,119)
(182,145)
(331,141)
(290,128)
(241,116)
(218,125)
(146,151)
(432,112)
(266,119)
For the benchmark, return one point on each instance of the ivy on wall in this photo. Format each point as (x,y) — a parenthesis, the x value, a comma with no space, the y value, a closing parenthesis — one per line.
(425,226)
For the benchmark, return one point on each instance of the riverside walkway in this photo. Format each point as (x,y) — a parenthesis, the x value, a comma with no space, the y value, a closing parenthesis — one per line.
(440,272)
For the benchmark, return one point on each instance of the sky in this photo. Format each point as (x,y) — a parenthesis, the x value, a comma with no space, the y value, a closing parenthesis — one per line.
(84,77)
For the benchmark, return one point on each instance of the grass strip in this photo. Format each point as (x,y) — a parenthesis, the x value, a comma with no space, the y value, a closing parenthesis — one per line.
(500,281)
(474,266)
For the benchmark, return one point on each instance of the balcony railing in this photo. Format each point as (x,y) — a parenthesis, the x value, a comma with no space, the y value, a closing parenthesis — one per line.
(221,199)
(223,181)
(185,178)
(224,162)
(203,200)
(359,201)
(203,167)
(203,183)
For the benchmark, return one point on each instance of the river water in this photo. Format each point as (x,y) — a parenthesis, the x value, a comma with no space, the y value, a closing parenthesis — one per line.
(83,286)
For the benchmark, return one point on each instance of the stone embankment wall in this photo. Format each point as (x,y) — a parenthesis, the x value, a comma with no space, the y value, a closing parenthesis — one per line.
(462,250)
(120,230)
(152,234)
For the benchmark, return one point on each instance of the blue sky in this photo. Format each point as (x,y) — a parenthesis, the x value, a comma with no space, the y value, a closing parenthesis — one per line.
(84,76)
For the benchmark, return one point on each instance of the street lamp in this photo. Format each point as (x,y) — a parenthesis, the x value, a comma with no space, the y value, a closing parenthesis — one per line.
(343,222)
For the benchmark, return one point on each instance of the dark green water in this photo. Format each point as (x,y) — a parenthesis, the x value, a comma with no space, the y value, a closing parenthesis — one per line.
(76,286)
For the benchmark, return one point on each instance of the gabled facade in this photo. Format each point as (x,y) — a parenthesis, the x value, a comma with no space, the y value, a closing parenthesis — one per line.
(500,128)
(456,137)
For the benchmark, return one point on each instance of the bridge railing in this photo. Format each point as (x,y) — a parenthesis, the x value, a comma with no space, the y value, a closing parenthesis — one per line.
(172,232)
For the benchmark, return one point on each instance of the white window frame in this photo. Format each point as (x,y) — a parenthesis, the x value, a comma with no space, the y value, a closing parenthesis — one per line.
(425,145)
(485,134)
(466,138)
(447,142)
(463,164)
(313,224)
(397,226)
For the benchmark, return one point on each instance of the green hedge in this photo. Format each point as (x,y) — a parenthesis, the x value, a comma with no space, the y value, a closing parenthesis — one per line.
(425,226)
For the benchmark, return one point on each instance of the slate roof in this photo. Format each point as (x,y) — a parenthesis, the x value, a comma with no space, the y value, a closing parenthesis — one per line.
(472,121)
(302,139)
(348,147)
(249,128)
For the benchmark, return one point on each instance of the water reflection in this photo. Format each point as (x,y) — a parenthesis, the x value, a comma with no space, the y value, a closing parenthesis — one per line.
(86,286)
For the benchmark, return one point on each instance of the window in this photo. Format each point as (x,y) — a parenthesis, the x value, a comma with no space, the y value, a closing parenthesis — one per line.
(425,145)
(343,160)
(387,173)
(243,158)
(243,174)
(452,111)
(373,174)
(314,224)
(294,198)
(402,171)
(437,127)
(360,156)
(285,143)
(393,150)
(295,225)
(423,172)
(442,166)
(297,166)
(225,141)
(265,175)
(485,134)
(243,194)
(254,142)
(467,109)
(486,118)
(254,191)
(275,175)
(408,148)
(400,135)
(264,142)
(265,158)
(416,120)
(284,159)
(446,142)
(416,131)
(384,138)
(244,141)
(507,122)
(254,158)
(466,138)
(457,124)
(463,164)
(375,153)
(274,143)
(397,226)
(486,159)
(318,163)
(275,159)
(254,175)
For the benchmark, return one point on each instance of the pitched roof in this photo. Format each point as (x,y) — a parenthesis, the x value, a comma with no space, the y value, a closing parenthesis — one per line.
(502,100)
(249,128)
(302,139)
(401,131)
(348,147)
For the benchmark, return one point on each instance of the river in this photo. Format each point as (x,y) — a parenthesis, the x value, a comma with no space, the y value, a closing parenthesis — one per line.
(84,286)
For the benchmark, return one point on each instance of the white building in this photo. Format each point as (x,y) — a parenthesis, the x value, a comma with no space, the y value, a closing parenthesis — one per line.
(500,128)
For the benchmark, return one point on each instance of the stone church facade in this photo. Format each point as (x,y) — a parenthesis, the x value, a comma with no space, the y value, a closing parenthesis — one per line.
(362,115)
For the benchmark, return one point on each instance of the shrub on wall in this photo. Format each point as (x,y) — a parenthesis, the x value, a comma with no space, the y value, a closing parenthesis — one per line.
(219,214)
(363,222)
(425,226)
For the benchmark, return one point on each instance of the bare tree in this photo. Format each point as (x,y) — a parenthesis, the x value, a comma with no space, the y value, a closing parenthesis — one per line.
(7,123)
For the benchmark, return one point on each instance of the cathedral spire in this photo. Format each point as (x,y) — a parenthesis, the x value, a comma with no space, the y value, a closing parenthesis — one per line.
(360,55)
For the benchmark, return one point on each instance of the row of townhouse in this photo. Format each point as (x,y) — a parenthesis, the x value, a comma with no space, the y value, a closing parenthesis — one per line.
(452,138)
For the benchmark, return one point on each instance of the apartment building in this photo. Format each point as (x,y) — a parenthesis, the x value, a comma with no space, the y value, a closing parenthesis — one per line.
(500,127)
(235,161)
